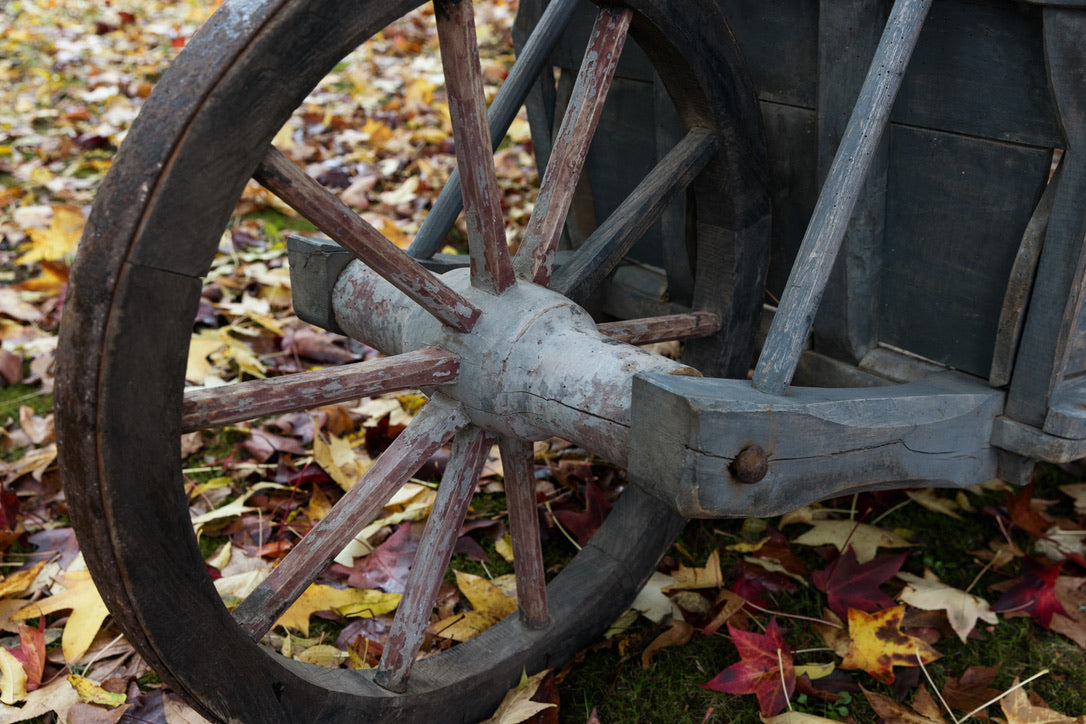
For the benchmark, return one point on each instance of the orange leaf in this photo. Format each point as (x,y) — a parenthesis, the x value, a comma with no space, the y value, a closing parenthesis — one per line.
(877,644)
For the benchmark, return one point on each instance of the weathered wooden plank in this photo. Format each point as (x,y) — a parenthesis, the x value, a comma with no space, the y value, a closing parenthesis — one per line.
(1055,304)
(1031,442)
(523,77)
(820,443)
(212,407)
(316,203)
(469,452)
(662,329)
(439,420)
(835,203)
(491,264)
(605,248)
(956,213)
(517,464)
(845,325)
(535,260)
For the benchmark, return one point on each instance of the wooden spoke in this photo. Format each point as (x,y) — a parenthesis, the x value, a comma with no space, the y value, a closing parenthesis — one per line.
(662,329)
(525,72)
(603,250)
(535,259)
(439,420)
(524,522)
(294,186)
(211,407)
(491,265)
(469,451)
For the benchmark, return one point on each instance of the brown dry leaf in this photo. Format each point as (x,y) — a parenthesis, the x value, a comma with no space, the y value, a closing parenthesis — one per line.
(678,635)
(1070,593)
(835,633)
(865,539)
(795,717)
(88,612)
(346,601)
(517,706)
(57,697)
(934,502)
(877,644)
(13,305)
(962,609)
(708,576)
(893,712)
(1020,710)
(972,689)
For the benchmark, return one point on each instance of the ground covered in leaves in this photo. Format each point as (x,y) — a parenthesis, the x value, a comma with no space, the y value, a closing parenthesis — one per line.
(916,606)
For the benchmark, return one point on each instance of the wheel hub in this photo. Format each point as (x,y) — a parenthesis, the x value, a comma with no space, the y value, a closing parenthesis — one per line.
(534,365)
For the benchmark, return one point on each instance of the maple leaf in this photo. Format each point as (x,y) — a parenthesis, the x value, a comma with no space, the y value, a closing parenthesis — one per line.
(972,690)
(708,576)
(346,601)
(388,566)
(962,609)
(679,634)
(1020,710)
(1069,592)
(88,612)
(518,706)
(489,605)
(584,525)
(877,644)
(1035,593)
(1022,514)
(849,584)
(865,539)
(764,669)
(894,712)
(58,240)
(930,500)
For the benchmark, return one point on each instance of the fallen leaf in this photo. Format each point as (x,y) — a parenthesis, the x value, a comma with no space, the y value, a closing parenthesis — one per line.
(708,576)
(88,612)
(18,582)
(339,460)
(517,705)
(1069,592)
(962,609)
(795,717)
(12,678)
(678,635)
(893,712)
(651,601)
(1034,594)
(764,669)
(92,693)
(489,605)
(584,525)
(346,601)
(932,501)
(865,539)
(1077,492)
(388,566)
(57,241)
(1022,514)
(877,644)
(57,697)
(972,690)
(729,604)
(849,584)
(1019,710)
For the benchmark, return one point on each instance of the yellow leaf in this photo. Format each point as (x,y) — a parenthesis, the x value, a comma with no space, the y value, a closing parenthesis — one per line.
(199,366)
(504,547)
(88,613)
(815,671)
(323,655)
(708,576)
(12,678)
(19,581)
(489,606)
(57,698)
(92,693)
(337,458)
(877,644)
(748,547)
(934,502)
(327,598)
(59,240)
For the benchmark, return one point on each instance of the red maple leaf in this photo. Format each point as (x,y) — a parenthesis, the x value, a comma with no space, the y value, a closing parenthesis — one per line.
(764,669)
(1035,593)
(1022,514)
(849,584)
(584,525)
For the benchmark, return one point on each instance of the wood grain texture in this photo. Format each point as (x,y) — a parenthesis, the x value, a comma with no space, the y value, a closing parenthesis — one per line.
(604,249)
(518,463)
(821,443)
(662,329)
(829,222)
(1056,301)
(491,265)
(211,407)
(432,428)
(469,451)
(319,205)
(532,56)
(535,260)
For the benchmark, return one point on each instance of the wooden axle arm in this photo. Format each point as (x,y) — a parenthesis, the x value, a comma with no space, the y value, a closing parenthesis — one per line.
(694,441)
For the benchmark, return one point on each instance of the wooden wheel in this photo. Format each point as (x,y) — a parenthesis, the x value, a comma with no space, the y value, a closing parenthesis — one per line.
(152,235)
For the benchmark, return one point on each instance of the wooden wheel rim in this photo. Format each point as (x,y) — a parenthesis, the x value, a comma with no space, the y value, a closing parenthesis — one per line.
(135,287)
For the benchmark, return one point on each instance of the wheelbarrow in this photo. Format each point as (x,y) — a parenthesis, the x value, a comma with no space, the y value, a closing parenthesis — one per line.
(884,198)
